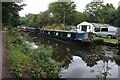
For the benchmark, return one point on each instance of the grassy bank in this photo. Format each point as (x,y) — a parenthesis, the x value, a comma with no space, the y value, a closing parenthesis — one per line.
(107,39)
(26,62)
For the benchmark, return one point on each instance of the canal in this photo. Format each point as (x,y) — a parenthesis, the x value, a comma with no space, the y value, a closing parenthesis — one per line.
(83,60)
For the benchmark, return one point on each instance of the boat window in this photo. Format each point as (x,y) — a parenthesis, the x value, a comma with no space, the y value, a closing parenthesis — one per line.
(48,32)
(64,34)
(73,35)
(54,33)
(84,28)
(57,33)
(69,35)
(45,32)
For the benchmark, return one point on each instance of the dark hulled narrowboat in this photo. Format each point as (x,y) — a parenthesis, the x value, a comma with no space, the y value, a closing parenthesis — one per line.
(65,35)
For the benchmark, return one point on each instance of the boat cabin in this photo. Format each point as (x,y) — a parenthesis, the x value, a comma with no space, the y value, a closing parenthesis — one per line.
(71,35)
(85,26)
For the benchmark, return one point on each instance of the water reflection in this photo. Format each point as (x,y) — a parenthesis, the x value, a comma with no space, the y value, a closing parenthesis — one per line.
(79,69)
(84,60)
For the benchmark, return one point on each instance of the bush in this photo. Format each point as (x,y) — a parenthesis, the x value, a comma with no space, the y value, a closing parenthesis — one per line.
(44,66)
(18,59)
(55,26)
(37,62)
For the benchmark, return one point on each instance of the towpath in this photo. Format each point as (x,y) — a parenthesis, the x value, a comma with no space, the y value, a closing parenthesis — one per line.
(5,66)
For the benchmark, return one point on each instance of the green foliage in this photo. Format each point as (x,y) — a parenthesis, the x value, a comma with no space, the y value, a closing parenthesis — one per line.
(76,18)
(109,14)
(24,60)
(44,66)
(37,20)
(10,14)
(29,20)
(118,17)
(111,18)
(18,61)
(16,56)
(107,39)
(55,26)
(117,58)
(97,12)
(62,11)
(45,18)
(92,8)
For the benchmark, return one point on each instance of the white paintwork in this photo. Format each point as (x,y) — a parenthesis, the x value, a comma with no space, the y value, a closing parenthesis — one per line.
(69,35)
(77,30)
(91,29)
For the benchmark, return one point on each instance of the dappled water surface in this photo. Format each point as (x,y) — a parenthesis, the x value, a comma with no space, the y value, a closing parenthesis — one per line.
(84,60)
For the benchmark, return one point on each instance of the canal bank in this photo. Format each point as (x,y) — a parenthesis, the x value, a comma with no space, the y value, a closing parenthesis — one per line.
(29,61)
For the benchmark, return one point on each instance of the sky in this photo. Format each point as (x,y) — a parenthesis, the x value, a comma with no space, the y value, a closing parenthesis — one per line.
(37,6)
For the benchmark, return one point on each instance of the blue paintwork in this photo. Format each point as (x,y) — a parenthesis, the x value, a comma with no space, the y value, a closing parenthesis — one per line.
(81,36)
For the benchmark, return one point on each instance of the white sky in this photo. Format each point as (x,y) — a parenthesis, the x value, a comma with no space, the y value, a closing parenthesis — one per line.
(36,6)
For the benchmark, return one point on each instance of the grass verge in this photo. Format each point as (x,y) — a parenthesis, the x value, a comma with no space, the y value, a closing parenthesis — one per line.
(107,39)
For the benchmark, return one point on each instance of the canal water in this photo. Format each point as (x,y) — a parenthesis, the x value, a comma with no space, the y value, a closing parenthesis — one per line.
(83,60)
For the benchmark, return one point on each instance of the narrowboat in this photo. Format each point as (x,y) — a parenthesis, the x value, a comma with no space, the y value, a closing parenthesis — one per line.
(65,35)
(73,35)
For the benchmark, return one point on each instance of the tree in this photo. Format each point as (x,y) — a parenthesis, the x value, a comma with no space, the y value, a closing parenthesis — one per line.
(37,20)
(92,9)
(61,11)
(45,18)
(118,16)
(97,12)
(111,18)
(76,18)
(10,14)
(31,20)
(108,14)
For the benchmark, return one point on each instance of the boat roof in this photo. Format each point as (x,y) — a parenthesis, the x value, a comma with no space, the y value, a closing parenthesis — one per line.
(63,31)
